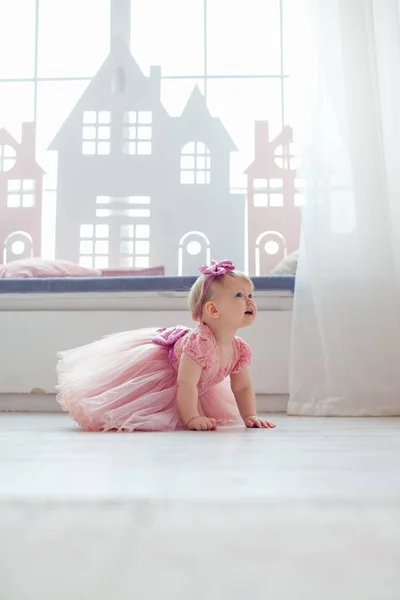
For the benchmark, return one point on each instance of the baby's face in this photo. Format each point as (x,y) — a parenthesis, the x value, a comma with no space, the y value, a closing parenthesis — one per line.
(234,300)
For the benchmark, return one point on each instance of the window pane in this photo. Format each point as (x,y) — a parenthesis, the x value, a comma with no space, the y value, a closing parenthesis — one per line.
(175,94)
(145,117)
(299,58)
(169,33)
(142,231)
(243,37)
(48,224)
(238,103)
(16,106)
(17,38)
(144,148)
(86,261)
(13,200)
(28,200)
(127,231)
(126,247)
(74,37)
(55,102)
(142,261)
(298,110)
(14,185)
(102,231)
(86,231)
(101,248)
(297,36)
(101,262)
(86,247)
(144,133)
(142,247)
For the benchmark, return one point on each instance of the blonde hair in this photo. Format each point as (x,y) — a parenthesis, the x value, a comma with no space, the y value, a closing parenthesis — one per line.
(196,297)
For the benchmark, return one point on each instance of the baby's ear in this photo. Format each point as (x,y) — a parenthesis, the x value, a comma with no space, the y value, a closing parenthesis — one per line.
(211,309)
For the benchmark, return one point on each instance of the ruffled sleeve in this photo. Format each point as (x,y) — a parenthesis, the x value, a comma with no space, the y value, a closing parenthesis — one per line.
(244,355)
(199,344)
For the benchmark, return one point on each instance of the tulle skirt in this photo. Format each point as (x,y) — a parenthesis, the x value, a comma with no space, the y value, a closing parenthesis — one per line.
(125,382)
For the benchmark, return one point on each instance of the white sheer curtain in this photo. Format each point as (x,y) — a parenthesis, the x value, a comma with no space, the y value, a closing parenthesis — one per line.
(346,323)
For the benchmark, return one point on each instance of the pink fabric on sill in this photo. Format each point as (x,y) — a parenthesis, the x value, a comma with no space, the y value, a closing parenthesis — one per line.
(40,267)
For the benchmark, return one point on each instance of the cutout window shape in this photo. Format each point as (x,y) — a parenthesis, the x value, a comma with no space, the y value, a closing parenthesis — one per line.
(94,246)
(260,200)
(128,206)
(269,251)
(286,157)
(194,249)
(195,164)
(96,132)
(134,246)
(17,245)
(8,157)
(138,132)
(268,192)
(20,193)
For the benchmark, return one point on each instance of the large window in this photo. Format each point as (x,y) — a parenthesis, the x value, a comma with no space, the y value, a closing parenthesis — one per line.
(239,54)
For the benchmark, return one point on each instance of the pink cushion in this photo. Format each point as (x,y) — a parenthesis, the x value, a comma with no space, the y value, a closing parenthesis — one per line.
(39,267)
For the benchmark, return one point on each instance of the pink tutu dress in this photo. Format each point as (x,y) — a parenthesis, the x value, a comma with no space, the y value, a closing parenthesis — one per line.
(127,381)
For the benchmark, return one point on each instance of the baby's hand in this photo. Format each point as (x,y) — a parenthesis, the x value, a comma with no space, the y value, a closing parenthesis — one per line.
(201,424)
(254,421)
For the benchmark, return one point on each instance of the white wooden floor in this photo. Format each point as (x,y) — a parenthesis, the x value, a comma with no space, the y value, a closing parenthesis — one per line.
(310,510)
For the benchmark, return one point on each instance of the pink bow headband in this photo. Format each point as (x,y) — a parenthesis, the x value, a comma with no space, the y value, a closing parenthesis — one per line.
(216,269)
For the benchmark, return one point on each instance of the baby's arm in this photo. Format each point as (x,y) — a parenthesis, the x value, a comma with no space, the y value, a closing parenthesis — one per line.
(187,395)
(245,397)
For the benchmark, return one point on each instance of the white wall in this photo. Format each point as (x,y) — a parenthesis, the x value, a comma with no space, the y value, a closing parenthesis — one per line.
(34,327)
